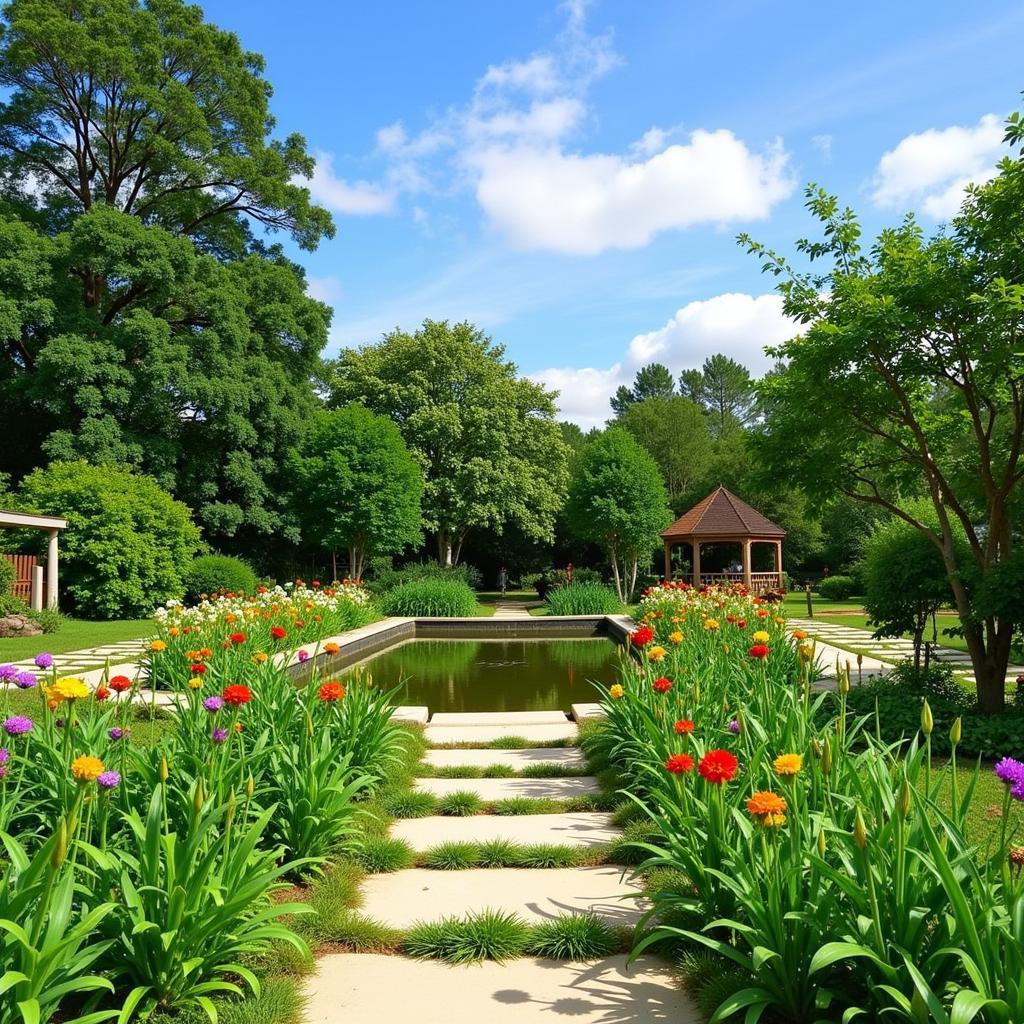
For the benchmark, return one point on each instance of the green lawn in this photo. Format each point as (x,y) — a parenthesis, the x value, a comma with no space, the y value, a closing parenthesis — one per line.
(944,622)
(73,635)
(795,603)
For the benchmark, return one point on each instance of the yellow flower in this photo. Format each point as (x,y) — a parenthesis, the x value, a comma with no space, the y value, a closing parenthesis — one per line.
(807,651)
(711,623)
(761,637)
(616,692)
(259,657)
(779,620)
(773,820)
(157,645)
(87,768)
(194,683)
(68,688)
(788,764)
(676,638)
(173,631)
(657,654)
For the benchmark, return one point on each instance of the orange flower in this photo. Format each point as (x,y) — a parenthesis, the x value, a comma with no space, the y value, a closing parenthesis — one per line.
(616,692)
(764,803)
(799,634)
(788,764)
(157,645)
(684,726)
(331,691)
(332,648)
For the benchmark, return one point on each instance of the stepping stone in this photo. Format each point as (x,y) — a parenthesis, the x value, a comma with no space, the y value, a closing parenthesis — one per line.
(411,713)
(393,990)
(472,718)
(582,712)
(536,894)
(581,829)
(487,733)
(569,757)
(504,789)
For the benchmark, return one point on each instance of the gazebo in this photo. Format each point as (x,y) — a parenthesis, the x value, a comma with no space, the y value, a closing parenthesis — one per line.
(52,525)
(721,518)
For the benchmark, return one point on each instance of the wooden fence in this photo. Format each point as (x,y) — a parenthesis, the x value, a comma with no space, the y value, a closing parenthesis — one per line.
(23,566)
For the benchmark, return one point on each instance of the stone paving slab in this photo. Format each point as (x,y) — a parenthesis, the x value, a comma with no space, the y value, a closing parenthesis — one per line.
(473,718)
(487,733)
(578,829)
(402,898)
(569,757)
(506,789)
(581,712)
(359,988)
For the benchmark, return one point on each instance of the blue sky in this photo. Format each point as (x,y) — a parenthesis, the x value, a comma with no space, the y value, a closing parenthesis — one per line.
(572,176)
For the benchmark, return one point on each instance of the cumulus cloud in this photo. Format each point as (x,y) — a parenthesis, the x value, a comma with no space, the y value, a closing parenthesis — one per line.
(737,324)
(930,169)
(360,198)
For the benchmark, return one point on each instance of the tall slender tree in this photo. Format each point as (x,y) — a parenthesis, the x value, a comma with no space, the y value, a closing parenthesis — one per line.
(724,389)
(651,381)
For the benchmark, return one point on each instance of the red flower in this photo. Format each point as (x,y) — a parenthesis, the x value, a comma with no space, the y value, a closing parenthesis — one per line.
(299,624)
(102,693)
(236,694)
(332,691)
(662,685)
(315,583)
(742,623)
(718,766)
(237,638)
(684,726)
(278,632)
(120,683)
(198,668)
(758,651)
(641,636)
(677,764)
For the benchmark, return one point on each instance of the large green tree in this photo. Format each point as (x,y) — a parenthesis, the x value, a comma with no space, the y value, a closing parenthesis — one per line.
(724,389)
(357,487)
(141,321)
(675,433)
(908,378)
(617,499)
(486,438)
(651,381)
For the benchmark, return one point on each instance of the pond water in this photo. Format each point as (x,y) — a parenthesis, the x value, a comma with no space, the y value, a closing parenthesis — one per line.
(495,675)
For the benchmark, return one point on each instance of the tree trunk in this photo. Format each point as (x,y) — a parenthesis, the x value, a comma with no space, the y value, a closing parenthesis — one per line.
(355,562)
(444,548)
(334,566)
(614,559)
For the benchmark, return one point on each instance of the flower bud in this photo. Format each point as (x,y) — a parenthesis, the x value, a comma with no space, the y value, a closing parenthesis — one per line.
(198,797)
(231,806)
(60,850)
(309,724)
(903,801)
(826,757)
(860,660)
(164,771)
(816,748)
(956,731)
(250,786)
(927,719)
(843,680)
(860,831)
(821,843)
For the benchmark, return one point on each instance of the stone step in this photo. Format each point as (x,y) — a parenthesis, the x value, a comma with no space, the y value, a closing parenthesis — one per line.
(363,987)
(488,733)
(473,718)
(504,789)
(568,757)
(588,828)
(536,894)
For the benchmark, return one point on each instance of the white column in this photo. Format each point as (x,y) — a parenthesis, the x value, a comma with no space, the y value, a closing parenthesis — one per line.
(51,570)
(696,562)
(37,588)
(746,563)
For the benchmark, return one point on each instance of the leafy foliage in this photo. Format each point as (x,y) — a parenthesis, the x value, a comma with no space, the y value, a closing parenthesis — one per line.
(212,574)
(583,599)
(430,597)
(837,588)
(128,543)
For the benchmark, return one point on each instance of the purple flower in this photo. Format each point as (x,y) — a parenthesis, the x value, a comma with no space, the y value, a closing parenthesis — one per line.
(108,780)
(1011,772)
(734,725)
(303,655)
(7,673)
(213,703)
(44,660)
(25,680)
(4,755)
(117,733)
(17,724)
(219,735)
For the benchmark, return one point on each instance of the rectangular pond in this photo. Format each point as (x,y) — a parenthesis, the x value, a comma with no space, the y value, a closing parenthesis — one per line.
(495,674)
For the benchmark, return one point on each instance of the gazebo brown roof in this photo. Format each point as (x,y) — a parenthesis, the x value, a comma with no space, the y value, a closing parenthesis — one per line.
(723,518)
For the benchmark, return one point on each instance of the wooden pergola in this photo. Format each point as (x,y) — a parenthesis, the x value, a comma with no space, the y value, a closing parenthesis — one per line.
(52,525)
(721,518)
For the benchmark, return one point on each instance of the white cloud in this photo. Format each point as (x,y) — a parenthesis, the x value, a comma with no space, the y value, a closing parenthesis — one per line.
(360,198)
(823,144)
(324,289)
(538,75)
(736,324)
(930,169)
(545,198)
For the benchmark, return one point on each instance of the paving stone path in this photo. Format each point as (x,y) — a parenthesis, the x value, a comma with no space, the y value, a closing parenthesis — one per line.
(512,609)
(90,658)
(394,989)
(842,638)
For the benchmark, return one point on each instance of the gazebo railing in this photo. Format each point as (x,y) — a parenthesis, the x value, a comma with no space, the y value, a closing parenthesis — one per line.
(759,581)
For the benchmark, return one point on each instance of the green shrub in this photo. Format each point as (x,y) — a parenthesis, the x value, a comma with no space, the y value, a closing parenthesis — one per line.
(8,577)
(209,574)
(430,597)
(128,543)
(543,582)
(583,599)
(385,578)
(837,588)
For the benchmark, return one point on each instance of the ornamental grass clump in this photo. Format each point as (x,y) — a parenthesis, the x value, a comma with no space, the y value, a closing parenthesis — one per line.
(448,598)
(583,599)
(834,871)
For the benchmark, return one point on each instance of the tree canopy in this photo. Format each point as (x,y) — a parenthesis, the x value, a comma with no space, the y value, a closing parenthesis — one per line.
(908,378)
(617,499)
(724,389)
(357,487)
(486,438)
(651,381)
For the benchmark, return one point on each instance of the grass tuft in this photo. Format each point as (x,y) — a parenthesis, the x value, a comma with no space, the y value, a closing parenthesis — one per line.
(452,856)
(487,935)
(379,854)
(409,804)
(574,937)
(460,804)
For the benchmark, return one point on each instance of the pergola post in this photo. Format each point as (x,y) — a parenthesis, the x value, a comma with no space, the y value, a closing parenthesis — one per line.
(778,561)
(51,569)
(668,561)
(696,562)
(746,563)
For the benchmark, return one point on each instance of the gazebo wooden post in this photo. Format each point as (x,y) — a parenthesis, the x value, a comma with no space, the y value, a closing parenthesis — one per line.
(778,561)
(696,561)
(668,560)
(746,563)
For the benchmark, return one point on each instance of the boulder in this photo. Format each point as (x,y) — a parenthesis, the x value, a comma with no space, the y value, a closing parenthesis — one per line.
(17,624)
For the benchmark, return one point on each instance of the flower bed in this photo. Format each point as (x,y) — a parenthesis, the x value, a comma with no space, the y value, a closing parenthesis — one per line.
(140,876)
(829,874)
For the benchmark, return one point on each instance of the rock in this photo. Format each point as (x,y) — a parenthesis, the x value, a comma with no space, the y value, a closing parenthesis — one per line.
(19,625)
